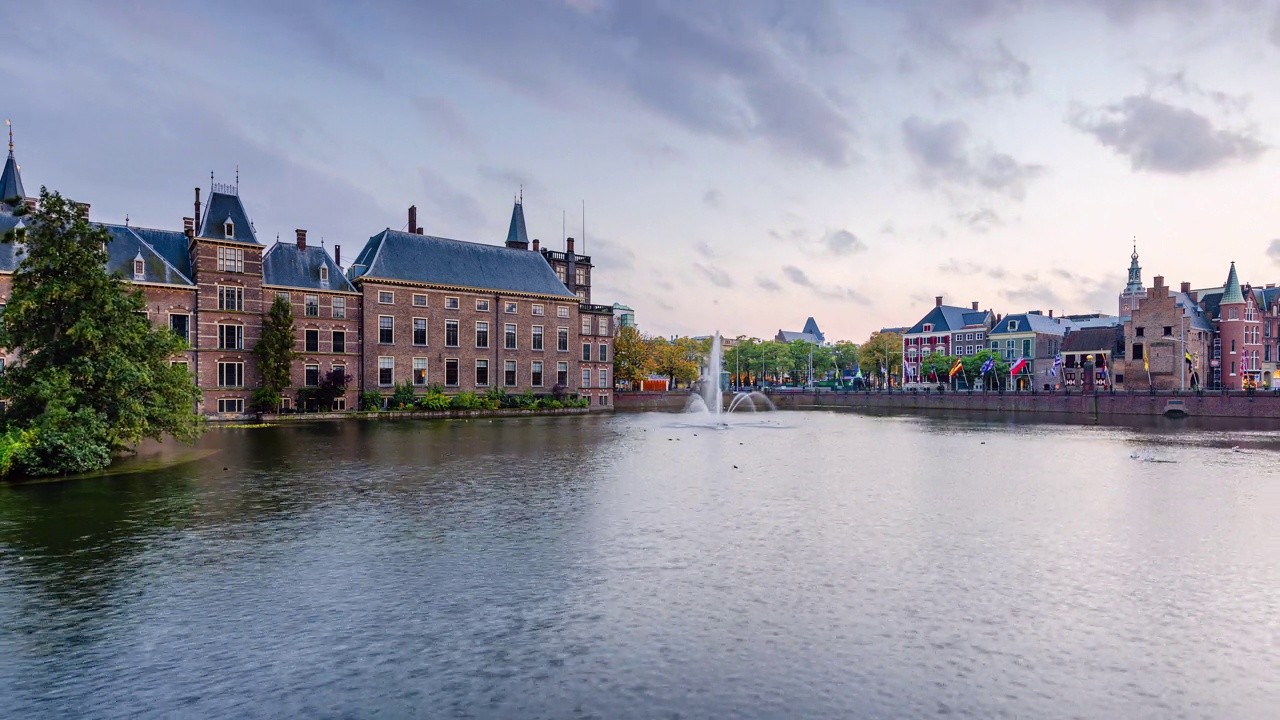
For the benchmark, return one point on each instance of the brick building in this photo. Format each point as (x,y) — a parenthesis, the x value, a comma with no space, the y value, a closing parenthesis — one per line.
(1165,327)
(944,330)
(413,307)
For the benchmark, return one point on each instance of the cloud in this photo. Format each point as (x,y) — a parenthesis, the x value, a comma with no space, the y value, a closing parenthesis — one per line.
(447,208)
(616,257)
(443,118)
(718,277)
(1033,297)
(835,292)
(704,249)
(1273,250)
(1178,82)
(942,155)
(713,198)
(966,269)
(1274,35)
(1159,137)
(981,220)
(766,284)
(843,242)
(797,276)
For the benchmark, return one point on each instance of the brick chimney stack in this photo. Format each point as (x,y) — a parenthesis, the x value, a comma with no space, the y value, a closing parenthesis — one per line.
(1051,314)
(413,219)
(302,239)
(937,301)
(569,244)
(197,218)
(975,305)
(1185,288)
(1159,282)
(535,244)
(189,227)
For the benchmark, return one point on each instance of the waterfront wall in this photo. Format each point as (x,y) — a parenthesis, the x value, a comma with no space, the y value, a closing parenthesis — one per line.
(1232,405)
(416,415)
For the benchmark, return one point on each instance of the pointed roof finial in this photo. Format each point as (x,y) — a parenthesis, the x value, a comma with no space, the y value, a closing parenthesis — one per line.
(9,125)
(126,219)
(237,178)
(521,184)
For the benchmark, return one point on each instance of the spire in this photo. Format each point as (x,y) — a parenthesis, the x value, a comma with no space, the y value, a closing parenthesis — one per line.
(517,237)
(11,179)
(1135,273)
(1231,293)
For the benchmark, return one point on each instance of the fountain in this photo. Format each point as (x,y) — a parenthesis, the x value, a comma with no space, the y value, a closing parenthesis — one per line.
(710,398)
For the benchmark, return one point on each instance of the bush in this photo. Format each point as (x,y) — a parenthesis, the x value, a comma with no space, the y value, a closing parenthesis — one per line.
(466,401)
(60,442)
(434,401)
(265,401)
(370,401)
(403,396)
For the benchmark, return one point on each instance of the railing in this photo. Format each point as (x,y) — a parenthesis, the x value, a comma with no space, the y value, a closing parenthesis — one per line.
(595,309)
(564,257)
(226,189)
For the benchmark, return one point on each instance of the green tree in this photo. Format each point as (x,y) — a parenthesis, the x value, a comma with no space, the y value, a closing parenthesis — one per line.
(276,350)
(678,360)
(882,349)
(95,376)
(845,357)
(775,357)
(633,357)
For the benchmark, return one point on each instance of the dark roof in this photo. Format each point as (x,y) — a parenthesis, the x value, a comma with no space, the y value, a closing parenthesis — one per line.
(8,251)
(126,246)
(11,180)
(287,266)
(1093,339)
(172,245)
(223,207)
(787,336)
(949,317)
(811,327)
(516,234)
(1231,291)
(395,255)
(1032,322)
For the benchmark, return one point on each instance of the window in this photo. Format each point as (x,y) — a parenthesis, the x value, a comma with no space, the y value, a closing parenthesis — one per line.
(979,336)
(580,276)
(1233,345)
(562,373)
(604,353)
(586,377)
(451,303)
(386,297)
(386,329)
(562,311)
(509,371)
(1168,330)
(1140,332)
(1235,315)
(451,333)
(451,372)
(582,294)
(482,334)
(230,298)
(339,307)
(509,308)
(230,374)
(586,325)
(535,377)
(537,310)
(339,403)
(1013,325)
(968,336)
(1026,348)
(419,300)
(602,326)
(604,377)
(339,341)
(386,371)
(928,327)
(482,373)
(312,340)
(537,337)
(560,272)
(230,405)
(312,303)
(324,273)
(586,352)
(339,371)
(285,297)
(509,336)
(176,363)
(181,326)
(230,259)
(230,337)
(228,229)
(482,306)
(312,375)
(604,399)
(419,331)
(139,269)
(1137,351)
(562,339)
(1248,311)
(419,371)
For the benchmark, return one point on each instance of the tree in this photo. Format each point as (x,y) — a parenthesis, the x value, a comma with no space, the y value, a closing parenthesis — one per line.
(332,386)
(845,357)
(775,357)
(276,350)
(633,357)
(882,349)
(95,376)
(677,360)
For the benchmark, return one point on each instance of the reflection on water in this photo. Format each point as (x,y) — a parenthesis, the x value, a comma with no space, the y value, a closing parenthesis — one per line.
(797,564)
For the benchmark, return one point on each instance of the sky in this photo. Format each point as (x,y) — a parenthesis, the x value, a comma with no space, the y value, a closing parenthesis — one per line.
(740,165)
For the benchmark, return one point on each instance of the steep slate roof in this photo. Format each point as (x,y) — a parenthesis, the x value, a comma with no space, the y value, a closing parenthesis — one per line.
(1032,322)
(811,327)
(283,264)
(127,246)
(11,179)
(395,255)
(1231,291)
(1083,323)
(949,317)
(516,233)
(8,251)
(1093,339)
(790,336)
(172,245)
(223,207)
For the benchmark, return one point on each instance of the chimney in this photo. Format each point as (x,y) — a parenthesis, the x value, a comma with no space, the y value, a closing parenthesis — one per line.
(413,219)
(337,255)
(189,227)
(1051,314)
(569,244)
(1186,288)
(197,218)
(1159,282)
(83,210)
(937,301)
(302,239)
(535,244)
(975,305)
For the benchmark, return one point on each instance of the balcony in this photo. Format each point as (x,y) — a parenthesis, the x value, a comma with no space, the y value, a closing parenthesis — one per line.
(555,255)
(595,309)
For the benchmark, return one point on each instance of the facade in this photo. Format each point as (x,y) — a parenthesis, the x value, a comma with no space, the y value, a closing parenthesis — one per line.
(1034,336)
(413,308)
(1105,346)
(624,316)
(810,334)
(936,334)
(1134,291)
(1165,327)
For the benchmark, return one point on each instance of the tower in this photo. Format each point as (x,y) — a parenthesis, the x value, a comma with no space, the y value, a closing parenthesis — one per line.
(517,237)
(11,178)
(1134,291)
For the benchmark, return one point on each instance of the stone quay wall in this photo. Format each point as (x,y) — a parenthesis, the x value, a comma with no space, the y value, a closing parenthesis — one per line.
(1262,405)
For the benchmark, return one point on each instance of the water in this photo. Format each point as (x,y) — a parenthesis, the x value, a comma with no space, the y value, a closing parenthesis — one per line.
(814,565)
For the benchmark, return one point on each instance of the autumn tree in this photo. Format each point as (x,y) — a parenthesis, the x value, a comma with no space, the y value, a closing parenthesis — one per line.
(633,357)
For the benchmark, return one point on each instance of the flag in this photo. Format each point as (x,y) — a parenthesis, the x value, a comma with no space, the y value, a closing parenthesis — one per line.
(1017,367)
(1146,364)
(955,369)
(857,374)
(1187,356)
(989,365)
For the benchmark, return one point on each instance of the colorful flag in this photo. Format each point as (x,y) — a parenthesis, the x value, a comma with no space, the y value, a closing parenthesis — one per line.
(1146,364)
(1187,355)
(989,365)
(1017,367)
(955,368)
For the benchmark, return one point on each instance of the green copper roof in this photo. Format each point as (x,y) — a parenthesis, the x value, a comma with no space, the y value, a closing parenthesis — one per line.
(1231,293)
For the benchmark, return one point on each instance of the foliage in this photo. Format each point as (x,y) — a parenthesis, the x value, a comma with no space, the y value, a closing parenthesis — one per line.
(96,377)
(845,357)
(633,357)
(434,400)
(471,401)
(276,349)
(882,349)
(332,386)
(678,360)
(265,400)
(559,392)
(402,396)
(370,400)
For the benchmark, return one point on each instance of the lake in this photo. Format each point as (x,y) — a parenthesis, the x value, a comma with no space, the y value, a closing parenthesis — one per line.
(794,564)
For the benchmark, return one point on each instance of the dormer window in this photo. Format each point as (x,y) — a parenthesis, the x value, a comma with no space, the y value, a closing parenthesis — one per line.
(139,269)
(229,229)
(928,327)
(324,274)
(1013,325)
